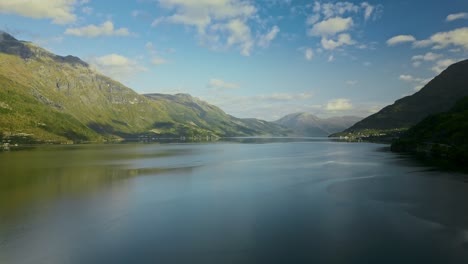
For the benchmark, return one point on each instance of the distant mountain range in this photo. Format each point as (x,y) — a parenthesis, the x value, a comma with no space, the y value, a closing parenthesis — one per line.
(305,124)
(439,95)
(49,98)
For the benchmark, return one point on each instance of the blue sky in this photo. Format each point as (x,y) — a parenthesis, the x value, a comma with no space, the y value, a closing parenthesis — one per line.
(262,59)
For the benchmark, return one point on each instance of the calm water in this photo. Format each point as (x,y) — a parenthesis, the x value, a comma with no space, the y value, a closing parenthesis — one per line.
(309,201)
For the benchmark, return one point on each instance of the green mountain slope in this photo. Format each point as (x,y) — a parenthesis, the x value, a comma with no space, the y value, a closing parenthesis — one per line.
(439,95)
(440,135)
(185,108)
(49,98)
(305,124)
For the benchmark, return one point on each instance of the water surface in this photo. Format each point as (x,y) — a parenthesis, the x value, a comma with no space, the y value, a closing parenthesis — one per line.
(246,201)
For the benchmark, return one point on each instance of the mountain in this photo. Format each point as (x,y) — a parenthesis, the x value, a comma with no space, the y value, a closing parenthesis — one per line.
(305,124)
(443,135)
(51,98)
(185,108)
(439,95)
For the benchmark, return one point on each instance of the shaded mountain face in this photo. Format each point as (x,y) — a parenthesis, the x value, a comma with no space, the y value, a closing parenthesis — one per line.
(439,95)
(440,135)
(48,97)
(305,124)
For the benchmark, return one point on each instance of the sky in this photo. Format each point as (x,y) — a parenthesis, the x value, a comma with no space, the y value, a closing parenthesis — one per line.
(262,59)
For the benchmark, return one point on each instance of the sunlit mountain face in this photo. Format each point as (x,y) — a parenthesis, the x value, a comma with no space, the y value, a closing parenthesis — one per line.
(262,59)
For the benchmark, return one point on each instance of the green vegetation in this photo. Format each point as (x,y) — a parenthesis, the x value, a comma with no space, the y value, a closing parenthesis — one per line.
(198,114)
(443,136)
(46,98)
(371,135)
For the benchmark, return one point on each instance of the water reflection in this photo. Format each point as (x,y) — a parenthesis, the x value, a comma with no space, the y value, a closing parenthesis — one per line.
(32,178)
(242,201)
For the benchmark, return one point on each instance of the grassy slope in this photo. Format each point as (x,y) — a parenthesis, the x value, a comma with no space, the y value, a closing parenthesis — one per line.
(61,99)
(185,108)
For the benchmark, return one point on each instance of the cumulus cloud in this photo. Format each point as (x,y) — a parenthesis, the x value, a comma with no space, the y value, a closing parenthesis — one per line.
(60,11)
(441,65)
(331,19)
(368,10)
(219,24)
(218,84)
(308,54)
(264,40)
(331,27)
(457,37)
(239,33)
(418,82)
(92,31)
(427,57)
(400,39)
(456,16)
(116,66)
(340,104)
(335,9)
(343,39)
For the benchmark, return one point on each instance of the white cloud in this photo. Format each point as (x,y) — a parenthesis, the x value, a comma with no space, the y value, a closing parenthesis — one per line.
(331,58)
(219,24)
(457,16)
(417,82)
(264,40)
(87,10)
(218,84)
(457,37)
(343,39)
(331,27)
(116,66)
(368,10)
(427,57)
(150,47)
(158,61)
(331,19)
(60,11)
(335,9)
(416,63)
(92,31)
(155,60)
(239,34)
(400,39)
(418,87)
(340,104)
(409,78)
(308,54)
(441,65)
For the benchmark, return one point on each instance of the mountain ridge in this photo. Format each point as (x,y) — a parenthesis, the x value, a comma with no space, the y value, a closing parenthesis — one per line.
(439,95)
(307,124)
(53,98)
